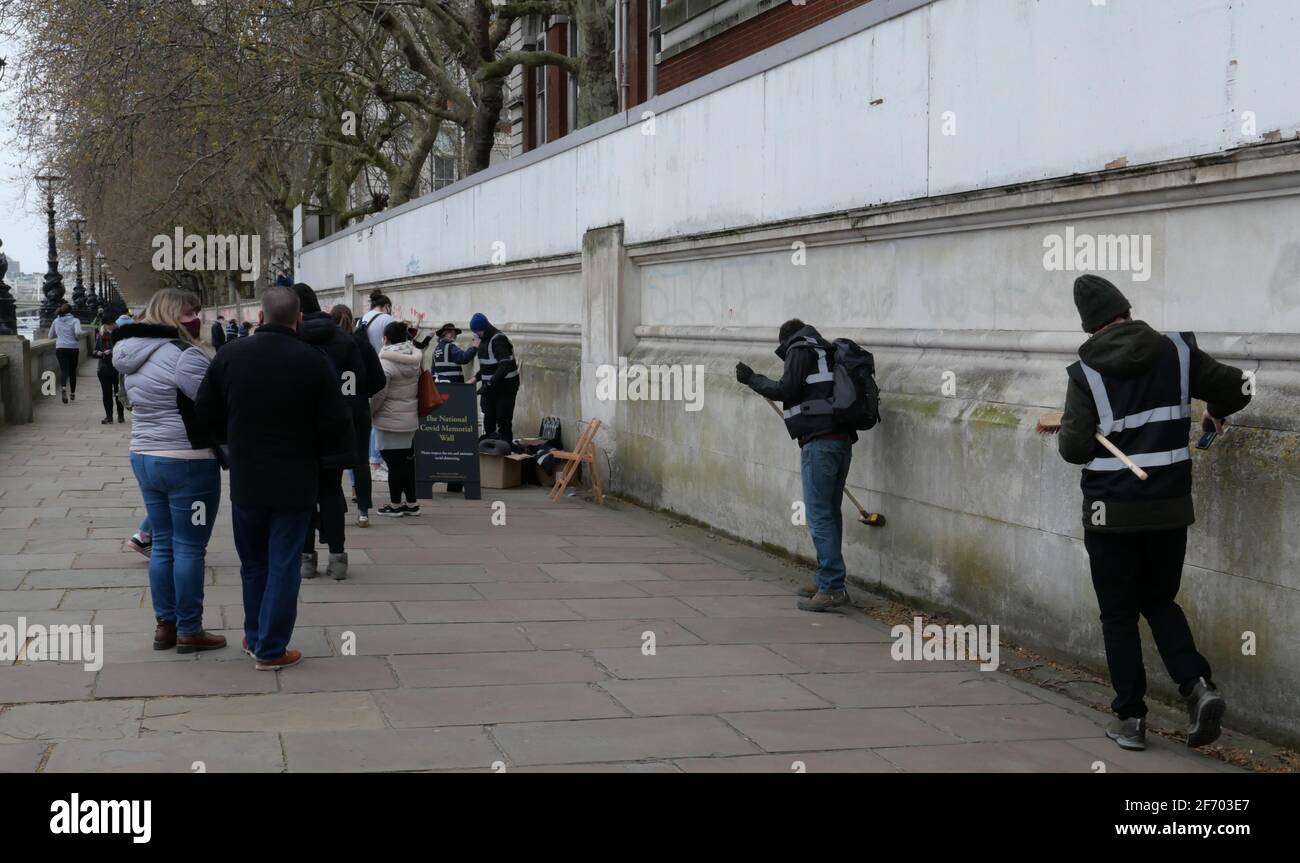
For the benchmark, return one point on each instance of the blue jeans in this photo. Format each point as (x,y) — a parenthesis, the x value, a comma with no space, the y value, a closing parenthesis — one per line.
(375,458)
(824,466)
(172,489)
(270,542)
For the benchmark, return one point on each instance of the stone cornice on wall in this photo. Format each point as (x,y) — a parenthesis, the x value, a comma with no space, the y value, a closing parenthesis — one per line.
(1249,173)
(1278,347)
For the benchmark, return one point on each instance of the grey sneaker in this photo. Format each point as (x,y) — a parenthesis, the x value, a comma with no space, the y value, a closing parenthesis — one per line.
(1129,733)
(824,601)
(309,565)
(1205,709)
(337,568)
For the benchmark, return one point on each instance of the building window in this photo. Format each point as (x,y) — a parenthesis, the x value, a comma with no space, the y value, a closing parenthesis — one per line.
(444,171)
(539,94)
(652,48)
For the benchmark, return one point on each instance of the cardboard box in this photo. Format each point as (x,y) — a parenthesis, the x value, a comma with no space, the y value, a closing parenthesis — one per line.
(497,471)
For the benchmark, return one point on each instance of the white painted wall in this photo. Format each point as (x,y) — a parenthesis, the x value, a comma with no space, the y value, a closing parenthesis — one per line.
(1038,89)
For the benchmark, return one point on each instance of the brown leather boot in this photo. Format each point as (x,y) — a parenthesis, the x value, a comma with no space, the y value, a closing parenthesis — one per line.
(199,641)
(164,635)
(290,657)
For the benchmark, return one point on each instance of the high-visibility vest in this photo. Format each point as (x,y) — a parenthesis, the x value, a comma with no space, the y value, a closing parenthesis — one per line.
(812,415)
(488,361)
(444,368)
(1149,419)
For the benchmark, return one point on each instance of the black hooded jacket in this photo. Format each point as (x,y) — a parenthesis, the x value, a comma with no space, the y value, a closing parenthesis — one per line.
(276,401)
(346,354)
(1130,354)
(500,348)
(793,388)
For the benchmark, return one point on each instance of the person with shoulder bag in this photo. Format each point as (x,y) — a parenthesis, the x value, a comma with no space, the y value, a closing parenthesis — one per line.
(175,461)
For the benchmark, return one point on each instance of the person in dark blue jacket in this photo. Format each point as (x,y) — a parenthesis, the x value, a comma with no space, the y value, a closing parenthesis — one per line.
(449,359)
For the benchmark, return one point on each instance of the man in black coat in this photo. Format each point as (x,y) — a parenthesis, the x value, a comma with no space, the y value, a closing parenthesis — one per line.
(1135,386)
(218,332)
(275,401)
(356,384)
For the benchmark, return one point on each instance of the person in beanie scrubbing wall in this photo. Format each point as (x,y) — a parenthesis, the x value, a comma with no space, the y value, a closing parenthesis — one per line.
(1134,386)
(825,451)
(498,372)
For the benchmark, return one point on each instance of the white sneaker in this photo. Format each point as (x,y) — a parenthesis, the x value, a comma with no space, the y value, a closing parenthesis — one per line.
(380,474)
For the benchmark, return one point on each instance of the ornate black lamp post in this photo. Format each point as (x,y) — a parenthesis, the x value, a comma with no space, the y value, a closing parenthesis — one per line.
(78,289)
(92,301)
(53,285)
(103,281)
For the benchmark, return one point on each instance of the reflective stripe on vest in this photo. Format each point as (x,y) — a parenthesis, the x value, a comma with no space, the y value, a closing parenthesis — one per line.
(1107,424)
(1142,459)
(444,367)
(488,364)
(823,375)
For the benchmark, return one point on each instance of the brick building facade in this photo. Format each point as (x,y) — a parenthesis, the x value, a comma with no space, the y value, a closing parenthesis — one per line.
(659,46)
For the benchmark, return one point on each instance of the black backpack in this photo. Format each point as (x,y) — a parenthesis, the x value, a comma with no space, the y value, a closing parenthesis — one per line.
(856,399)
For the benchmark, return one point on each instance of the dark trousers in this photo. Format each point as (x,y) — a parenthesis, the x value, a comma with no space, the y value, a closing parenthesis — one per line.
(68,358)
(401,474)
(361,473)
(108,389)
(498,403)
(1139,573)
(269,542)
(327,519)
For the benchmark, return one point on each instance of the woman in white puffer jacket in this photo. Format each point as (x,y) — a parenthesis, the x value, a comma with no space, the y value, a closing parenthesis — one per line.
(394,413)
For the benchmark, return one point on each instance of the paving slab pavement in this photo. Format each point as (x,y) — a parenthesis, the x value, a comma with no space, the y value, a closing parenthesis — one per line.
(573,638)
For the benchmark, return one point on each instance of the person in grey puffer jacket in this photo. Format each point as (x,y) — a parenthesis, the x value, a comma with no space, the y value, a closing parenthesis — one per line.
(174,459)
(66,331)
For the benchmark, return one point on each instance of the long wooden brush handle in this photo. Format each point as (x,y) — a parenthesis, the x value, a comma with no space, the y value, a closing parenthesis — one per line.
(861,510)
(1119,454)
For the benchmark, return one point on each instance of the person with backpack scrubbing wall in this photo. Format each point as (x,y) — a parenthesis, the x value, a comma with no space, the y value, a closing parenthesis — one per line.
(824,418)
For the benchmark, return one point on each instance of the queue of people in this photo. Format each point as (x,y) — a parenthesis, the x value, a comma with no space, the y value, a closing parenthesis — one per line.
(309,396)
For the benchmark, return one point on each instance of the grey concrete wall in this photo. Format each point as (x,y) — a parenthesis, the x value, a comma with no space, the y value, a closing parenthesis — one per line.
(984,515)
(15,391)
